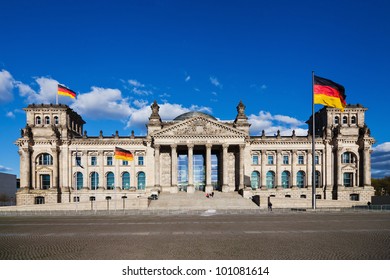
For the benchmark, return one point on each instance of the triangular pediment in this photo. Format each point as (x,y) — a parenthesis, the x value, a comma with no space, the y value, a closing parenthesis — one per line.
(200,126)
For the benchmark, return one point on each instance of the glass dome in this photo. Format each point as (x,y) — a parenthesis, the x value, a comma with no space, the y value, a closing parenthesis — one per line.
(193,114)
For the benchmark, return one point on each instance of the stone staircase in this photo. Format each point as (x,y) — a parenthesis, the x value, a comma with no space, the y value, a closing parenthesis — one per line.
(199,201)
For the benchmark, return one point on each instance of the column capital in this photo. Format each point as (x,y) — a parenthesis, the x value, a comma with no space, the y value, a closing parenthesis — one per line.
(225,145)
(173,146)
(209,145)
(190,145)
(157,146)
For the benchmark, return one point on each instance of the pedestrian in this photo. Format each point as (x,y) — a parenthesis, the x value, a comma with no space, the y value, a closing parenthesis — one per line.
(269,206)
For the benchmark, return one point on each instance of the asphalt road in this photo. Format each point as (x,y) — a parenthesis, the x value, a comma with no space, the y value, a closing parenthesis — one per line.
(291,236)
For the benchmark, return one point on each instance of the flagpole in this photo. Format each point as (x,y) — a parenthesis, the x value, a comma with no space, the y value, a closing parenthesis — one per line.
(313,145)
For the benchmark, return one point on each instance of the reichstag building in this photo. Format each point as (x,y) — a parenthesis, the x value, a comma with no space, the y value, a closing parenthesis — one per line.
(195,152)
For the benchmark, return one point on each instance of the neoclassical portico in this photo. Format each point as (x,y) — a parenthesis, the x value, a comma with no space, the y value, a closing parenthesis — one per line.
(198,167)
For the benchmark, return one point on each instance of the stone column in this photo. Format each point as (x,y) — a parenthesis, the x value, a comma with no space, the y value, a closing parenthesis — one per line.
(133,176)
(263,170)
(101,169)
(157,166)
(309,169)
(339,175)
(25,168)
(86,172)
(293,169)
(278,169)
(241,169)
(174,188)
(55,168)
(190,187)
(367,166)
(225,185)
(209,187)
(117,181)
(327,170)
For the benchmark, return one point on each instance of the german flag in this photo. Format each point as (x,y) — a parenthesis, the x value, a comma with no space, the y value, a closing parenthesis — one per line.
(329,93)
(123,154)
(62,90)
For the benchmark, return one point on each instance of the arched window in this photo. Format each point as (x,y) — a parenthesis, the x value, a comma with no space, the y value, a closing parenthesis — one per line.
(38,120)
(270,178)
(336,120)
(347,157)
(141,180)
(110,181)
(47,120)
(345,120)
(56,120)
(300,179)
(126,180)
(45,159)
(94,180)
(353,120)
(79,180)
(285,179)
(255,180)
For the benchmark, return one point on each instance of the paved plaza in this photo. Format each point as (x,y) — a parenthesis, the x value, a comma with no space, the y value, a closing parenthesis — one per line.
(206,235)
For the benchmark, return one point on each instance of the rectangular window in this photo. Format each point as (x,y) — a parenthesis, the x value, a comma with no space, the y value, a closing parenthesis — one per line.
(317,160)
(140,160)
(301,159)
(45,181)
(93,160)
(348,179)
(270,159)
(285,159)
(255,159)
(125,162)
(109,160)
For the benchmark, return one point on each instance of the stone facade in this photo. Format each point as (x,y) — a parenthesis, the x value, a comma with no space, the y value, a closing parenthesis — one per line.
(59,163)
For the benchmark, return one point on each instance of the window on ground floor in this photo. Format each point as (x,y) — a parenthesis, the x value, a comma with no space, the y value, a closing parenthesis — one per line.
(255,180)
(285,179)
(354,196)
(39,200)
(300,179)
(141,180)
(126,180)
(270,179)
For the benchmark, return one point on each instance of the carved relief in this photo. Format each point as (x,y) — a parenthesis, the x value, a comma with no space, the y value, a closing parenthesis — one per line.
(200,127)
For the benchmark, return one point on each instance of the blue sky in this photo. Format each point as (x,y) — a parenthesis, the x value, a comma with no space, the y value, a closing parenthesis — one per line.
(119,56)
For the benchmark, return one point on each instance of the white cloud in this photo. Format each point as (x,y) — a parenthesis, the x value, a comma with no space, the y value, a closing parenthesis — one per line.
(214,81)
(384,147)
(10,115)
(188,77)
(135,83)
(138,88)
(102,103)
(6,86)
(380,160)
(5,169)
(47,90)
(142,91)
(271,124)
